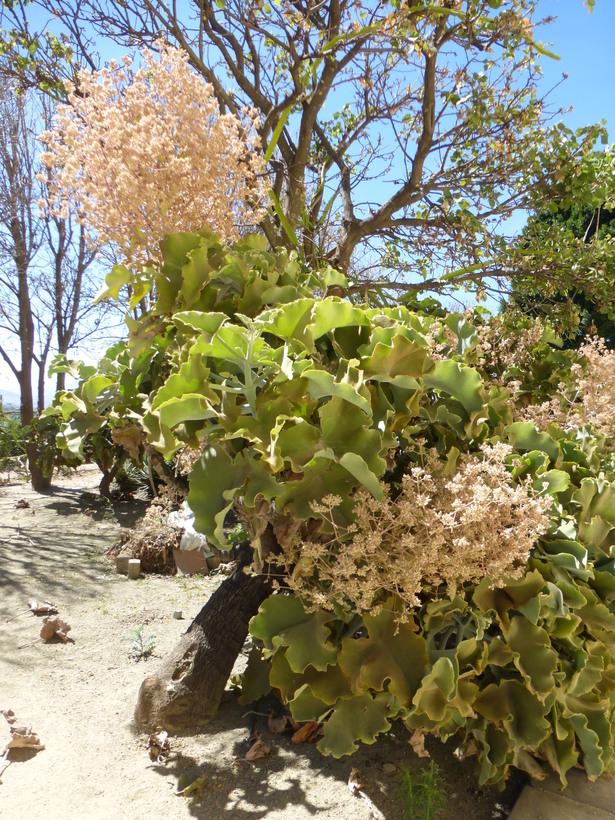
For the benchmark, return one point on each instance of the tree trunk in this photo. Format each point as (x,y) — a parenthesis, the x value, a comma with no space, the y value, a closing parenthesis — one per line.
(188,688)
(104,488)
(40,482)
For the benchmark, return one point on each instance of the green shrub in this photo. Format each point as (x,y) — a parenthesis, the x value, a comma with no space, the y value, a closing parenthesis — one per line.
(12,442)
(292,397)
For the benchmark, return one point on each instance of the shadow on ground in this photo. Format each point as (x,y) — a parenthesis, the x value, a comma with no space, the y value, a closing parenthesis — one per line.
(32,561)
(243,789)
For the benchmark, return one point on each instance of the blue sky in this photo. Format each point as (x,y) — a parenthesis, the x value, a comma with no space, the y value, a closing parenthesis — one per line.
(585,45)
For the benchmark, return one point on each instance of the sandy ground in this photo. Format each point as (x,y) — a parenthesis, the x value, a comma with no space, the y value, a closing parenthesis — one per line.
(79,696)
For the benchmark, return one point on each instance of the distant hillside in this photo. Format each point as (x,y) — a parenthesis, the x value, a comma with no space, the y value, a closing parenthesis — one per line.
(10,399)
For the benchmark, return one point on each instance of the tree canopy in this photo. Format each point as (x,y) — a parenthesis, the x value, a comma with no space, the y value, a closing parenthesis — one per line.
(398,137)
(580,234)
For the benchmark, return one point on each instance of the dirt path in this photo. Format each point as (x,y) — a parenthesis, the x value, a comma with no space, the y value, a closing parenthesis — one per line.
(80,697)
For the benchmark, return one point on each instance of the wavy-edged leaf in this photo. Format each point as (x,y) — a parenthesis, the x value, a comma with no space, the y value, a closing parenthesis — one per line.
(361,718)
(393,655)
(214,482)
(459,381)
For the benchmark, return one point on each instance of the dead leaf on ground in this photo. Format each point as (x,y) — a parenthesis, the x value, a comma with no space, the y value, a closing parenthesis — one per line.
(417,741)
(54,626)
(278,724)
(42,608)
(159,747)
(307,733)
(22,504)
(19,736)
(258,750)
(356,786)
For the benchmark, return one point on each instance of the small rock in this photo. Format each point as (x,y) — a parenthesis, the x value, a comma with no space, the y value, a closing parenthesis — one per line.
(178,615)
(389,768)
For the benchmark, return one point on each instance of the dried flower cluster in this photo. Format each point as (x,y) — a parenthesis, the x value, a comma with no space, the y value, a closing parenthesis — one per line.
(137,155)
(596,383)
(588,399)
(440,533)
(501,349)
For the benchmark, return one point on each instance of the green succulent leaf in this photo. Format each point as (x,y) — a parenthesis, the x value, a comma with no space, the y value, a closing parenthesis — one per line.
(394,657)
(459,381)
(282,621)
(361,718)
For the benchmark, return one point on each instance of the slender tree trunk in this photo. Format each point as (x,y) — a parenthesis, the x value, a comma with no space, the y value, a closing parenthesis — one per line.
(40,482)
(187,689)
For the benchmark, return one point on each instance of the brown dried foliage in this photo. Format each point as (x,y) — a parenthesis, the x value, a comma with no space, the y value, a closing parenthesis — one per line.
(440,533)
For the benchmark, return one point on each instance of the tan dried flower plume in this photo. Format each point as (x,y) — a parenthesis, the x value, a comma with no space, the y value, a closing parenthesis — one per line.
(439,534)
(137,155)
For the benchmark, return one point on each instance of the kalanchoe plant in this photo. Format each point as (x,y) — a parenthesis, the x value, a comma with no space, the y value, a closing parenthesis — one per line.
(433,556)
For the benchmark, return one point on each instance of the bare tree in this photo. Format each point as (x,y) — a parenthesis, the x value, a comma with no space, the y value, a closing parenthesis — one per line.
(47,278)
(401,134)
(20,240)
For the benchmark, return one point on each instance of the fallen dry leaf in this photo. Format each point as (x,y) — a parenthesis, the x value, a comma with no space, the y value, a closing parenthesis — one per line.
(258,749)
(356,786)
(278,724)
(159,747)
(5,736)
(42,608)
(20,735)
(54,626)
(307,733)
(417,741)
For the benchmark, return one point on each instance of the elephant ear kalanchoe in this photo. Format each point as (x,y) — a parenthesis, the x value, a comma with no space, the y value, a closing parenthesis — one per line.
(430,554)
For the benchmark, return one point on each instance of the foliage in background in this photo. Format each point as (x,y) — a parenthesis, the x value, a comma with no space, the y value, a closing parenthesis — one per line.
(587,223)
(289,396)
(12,442)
